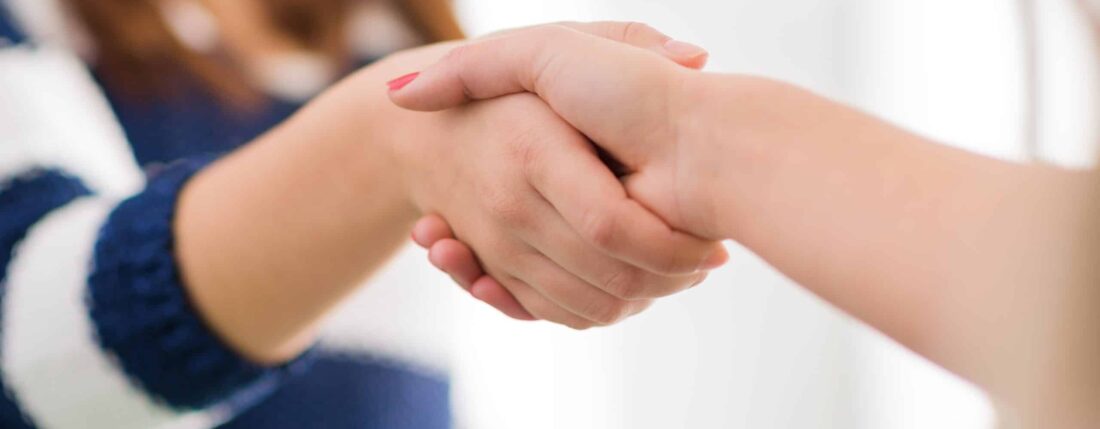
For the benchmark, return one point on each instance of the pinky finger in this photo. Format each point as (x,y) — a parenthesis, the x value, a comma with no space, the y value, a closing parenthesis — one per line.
(489,291)
(456,259)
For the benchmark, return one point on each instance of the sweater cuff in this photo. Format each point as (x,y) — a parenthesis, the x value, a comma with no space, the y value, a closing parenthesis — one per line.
(26,199)
(143,316)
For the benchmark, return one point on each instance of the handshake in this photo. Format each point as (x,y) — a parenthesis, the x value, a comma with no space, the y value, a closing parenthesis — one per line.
(575,172)
(583,202)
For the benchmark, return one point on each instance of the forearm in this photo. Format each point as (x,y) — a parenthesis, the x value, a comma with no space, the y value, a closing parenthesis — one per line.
(903,233)
(938,248)
(273,236)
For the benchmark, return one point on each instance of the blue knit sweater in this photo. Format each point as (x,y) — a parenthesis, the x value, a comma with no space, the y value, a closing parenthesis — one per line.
(142,338)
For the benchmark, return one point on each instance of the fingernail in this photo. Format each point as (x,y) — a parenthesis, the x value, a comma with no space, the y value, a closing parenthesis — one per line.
(402,81)
(683,49)
(716,260)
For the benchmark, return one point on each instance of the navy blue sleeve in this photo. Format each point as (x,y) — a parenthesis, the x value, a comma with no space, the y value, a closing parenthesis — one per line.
(144,317)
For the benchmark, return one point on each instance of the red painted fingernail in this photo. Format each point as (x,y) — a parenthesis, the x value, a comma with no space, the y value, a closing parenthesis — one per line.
(402,81)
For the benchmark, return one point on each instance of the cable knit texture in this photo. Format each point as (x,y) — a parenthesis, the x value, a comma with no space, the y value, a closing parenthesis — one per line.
(144,317)
(24,201)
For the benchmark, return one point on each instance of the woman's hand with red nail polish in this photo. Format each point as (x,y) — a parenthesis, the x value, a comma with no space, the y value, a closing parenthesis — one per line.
(613,82)
(550,224)
(511,179)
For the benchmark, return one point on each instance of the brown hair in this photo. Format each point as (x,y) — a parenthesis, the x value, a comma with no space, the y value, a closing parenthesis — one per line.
(138,53)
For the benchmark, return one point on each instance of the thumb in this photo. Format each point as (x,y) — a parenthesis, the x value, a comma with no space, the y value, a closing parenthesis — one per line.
(517,60)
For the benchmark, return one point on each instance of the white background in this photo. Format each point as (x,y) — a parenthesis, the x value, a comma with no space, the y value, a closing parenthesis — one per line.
(749,349)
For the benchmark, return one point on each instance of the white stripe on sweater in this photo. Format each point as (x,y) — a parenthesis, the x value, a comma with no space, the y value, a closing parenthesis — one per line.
(52,114)
(50,359)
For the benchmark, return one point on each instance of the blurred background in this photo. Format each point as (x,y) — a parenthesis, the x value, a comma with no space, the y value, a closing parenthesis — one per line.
(749,349)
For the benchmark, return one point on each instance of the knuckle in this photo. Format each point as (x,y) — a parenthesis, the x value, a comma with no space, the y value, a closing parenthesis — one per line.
(537,312)
(698,280)
(543,309)
(524,120)
(578,325)
(609,313)
(527,149)
(537,306)
(624,284)
(458,54)
(532,160)
(506,208)
(675,285)
(554,31)
(641,307)
(634,30)
(543,36)
(571,321)
(673,263)
(599,228)
(547,43)
(569,25)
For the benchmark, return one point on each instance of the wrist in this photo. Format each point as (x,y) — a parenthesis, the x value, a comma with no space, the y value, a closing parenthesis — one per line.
(305,213)
(388,141)
(369,150)
(702,136)
(737,134)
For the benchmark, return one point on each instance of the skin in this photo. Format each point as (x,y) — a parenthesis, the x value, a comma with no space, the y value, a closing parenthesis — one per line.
(984,267)
(275,235)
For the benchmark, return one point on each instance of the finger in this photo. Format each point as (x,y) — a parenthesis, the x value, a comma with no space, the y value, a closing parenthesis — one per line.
(555,239)
(456,259)
(632,33)
(542,308)
(533,302)
(645,37)
(430,229)
(571,293)
(645,305)
(508,64)
(593,202)
(489,291)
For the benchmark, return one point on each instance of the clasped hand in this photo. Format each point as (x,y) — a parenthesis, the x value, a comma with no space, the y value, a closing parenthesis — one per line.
(534,222)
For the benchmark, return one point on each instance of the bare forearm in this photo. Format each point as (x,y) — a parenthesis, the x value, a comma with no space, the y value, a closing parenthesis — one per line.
(273,236)
(901,232)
